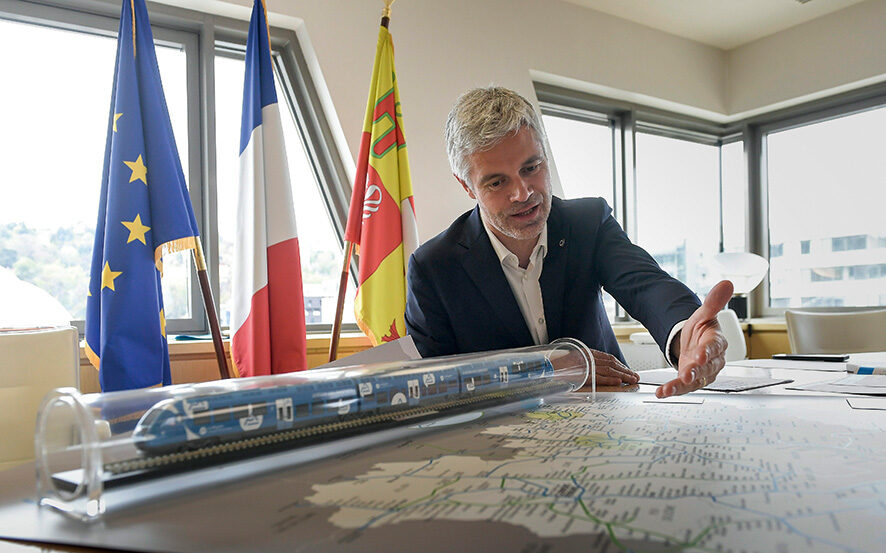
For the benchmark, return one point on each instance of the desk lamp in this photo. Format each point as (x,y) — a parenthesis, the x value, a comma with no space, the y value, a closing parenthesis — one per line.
(746,271)
(26,305)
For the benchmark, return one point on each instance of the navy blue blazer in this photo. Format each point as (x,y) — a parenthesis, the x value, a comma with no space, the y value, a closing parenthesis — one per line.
(458,299)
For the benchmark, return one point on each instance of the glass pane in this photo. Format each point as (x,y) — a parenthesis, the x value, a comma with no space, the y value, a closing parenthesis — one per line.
(827,189)
(52,163)
(735,197)
(582,152)
(678,199)
(321,254)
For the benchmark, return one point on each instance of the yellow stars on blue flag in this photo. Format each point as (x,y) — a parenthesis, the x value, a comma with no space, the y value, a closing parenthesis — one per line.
(108,276)
(122,324)
(139,171)
(136,229)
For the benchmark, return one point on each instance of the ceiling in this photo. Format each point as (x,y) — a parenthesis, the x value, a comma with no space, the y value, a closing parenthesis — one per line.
(725,24)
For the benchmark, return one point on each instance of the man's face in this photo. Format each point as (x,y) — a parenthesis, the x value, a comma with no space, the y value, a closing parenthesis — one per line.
(512,186)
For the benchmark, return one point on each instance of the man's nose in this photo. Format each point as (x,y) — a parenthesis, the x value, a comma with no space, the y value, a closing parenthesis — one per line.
(521,190)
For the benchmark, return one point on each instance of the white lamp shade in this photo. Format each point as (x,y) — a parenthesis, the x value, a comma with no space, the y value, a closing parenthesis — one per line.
(745,270)
(27,306)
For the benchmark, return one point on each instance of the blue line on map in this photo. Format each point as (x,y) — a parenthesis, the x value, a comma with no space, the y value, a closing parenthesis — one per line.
(793,528)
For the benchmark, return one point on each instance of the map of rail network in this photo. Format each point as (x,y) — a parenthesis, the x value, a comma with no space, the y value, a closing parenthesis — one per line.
(735,473)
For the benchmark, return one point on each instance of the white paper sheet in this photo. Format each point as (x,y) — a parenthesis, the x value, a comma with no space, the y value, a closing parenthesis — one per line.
(722,384)
(865,384)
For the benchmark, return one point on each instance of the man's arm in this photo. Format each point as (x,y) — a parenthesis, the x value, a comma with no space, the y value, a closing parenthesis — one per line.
(426,319)
(638,284)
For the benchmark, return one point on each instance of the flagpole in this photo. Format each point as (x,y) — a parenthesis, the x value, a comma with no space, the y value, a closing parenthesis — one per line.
(349,246)
(203,277)
(340,304)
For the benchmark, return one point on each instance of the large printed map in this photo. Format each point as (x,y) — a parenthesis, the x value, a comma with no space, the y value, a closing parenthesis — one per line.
(721,476)
(736,473)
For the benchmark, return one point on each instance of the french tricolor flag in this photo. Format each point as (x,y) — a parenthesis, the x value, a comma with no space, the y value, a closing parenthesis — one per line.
(268,315)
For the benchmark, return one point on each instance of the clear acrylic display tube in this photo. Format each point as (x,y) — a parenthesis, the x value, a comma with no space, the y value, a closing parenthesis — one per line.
(90,445)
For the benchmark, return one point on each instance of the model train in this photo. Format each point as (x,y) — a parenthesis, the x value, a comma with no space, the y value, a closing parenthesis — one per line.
(179,424)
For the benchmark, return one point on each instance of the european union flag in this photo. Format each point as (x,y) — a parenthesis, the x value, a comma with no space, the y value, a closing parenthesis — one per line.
(144,212)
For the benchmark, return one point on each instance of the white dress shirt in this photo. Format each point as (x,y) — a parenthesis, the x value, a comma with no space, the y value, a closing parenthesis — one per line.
(525,282)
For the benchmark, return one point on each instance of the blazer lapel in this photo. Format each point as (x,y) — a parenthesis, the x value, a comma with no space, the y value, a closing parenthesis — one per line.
(482,265)
(553,274)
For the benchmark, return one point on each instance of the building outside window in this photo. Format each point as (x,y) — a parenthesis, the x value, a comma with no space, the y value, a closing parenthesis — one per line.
(688,199)
(582,148)
(803,187)
(826,188)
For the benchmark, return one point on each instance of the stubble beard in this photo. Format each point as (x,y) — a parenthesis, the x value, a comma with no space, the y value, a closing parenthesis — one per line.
(506,226)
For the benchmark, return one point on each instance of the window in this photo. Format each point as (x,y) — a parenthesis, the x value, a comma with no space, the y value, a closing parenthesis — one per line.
(825,274)
(321,253)
(646,168)
(734,194)
(583,151)
(827,184)
(857,272)
(49,217)
(681,235)
(49,242)
(583,154)
(803,186)
(846,243)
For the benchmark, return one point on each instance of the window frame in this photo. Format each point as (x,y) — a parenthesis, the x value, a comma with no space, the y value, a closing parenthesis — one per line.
(201,36)
(627,120)
(631,118)
(810,113)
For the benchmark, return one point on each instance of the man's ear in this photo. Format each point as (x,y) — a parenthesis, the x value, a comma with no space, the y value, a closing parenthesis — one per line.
(465,186)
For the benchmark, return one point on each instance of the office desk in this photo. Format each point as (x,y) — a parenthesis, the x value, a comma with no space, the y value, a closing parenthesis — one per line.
(484,483)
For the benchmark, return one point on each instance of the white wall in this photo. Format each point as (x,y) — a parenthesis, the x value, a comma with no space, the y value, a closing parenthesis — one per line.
(843,50)
(444,47)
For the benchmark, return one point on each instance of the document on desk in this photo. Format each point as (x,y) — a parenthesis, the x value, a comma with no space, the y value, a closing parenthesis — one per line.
(794,364)
(864,384)
(723,383)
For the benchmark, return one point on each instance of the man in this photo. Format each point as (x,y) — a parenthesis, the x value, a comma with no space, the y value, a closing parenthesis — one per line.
(525,268)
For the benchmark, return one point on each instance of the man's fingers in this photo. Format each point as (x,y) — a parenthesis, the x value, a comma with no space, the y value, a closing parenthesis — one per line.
(715,301)
(677,387)
(609,367)
(625,375)
(713,350)
(701,377)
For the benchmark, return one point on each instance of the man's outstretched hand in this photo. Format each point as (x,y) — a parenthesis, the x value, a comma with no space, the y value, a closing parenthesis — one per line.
(702,352)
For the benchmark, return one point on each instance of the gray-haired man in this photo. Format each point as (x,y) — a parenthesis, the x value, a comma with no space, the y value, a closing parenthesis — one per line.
(525,268)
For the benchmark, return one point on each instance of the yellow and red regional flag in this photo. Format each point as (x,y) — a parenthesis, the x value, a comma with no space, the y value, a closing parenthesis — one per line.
(381,219)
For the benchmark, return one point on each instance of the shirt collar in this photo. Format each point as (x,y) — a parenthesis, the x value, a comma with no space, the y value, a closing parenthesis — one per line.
(503,253)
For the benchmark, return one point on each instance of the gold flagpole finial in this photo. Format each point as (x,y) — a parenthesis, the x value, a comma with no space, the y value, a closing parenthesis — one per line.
(386,11)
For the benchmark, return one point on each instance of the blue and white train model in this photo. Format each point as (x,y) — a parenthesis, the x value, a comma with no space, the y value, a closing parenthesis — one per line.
(180,424)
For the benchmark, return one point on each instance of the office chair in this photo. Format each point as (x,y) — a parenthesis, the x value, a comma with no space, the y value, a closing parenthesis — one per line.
(828,332)
(731,329)
(643,353)
(31,364)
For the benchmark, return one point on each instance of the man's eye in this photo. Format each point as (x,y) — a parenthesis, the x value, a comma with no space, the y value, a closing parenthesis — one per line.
(532,168)
(493,184)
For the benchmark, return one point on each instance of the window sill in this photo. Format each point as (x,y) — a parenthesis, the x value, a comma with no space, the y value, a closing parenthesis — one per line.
(194,360)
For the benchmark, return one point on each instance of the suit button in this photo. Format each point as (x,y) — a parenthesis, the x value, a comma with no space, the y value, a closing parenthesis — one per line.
(562,242)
